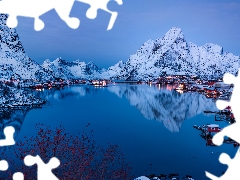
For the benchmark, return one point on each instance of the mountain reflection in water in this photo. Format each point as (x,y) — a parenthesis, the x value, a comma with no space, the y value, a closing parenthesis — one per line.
(118,114)
(168,107)
(155,103)
(61,93)
(13,118)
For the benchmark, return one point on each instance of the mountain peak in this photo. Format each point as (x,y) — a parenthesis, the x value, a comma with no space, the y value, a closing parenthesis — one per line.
(91,68)
(173,35)
(214,48)
(120,64)
(14,61)
(172,54)
(174,30)
(91,65)
(91,62)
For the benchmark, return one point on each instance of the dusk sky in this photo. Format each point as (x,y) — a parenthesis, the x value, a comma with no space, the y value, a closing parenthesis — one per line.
(202,21)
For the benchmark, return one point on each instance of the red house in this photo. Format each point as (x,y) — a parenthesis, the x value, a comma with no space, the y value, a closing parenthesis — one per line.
(213,128)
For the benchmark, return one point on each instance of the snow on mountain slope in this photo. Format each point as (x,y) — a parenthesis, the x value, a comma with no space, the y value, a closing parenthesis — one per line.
(168,107)
(11,97)
(60,68)
(112,71)
(172,54)
(13,60)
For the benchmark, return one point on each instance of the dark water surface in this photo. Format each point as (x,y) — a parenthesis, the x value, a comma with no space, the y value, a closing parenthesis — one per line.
(153,126)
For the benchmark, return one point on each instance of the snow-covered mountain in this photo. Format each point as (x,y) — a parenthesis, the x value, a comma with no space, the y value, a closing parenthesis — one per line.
(113,71)
(60,68)
(11,97)
(14,62)
(168,107)
(172,54)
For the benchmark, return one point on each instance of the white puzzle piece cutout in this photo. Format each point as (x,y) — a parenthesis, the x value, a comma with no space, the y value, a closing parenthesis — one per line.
(18,176)
(36,8)
(44,171)
(101,4)
(231,131)
(9,140)
(233,167)
(3,165)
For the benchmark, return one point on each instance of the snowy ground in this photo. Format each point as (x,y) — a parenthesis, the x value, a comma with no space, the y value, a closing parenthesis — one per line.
(12,97)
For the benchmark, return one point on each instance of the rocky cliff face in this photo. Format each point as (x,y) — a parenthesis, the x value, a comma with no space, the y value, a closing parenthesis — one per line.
(60,68)
(14,61)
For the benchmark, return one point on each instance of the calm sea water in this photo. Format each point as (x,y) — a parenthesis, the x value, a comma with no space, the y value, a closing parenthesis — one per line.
(152,125)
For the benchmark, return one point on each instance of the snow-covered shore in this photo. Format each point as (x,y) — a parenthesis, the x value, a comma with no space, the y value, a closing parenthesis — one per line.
(14,98)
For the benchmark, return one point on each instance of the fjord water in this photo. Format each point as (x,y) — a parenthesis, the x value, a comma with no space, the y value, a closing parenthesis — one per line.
(152,125)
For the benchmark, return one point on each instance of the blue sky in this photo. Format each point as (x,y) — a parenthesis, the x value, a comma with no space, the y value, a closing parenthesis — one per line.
(202,21)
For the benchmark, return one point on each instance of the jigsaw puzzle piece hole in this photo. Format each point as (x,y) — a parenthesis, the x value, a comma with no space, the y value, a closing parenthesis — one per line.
(211,176)
(18,176)
(224,158)
(54,163)
(38,24)
(112,20)
(3,165)
(91,13)
(229,78)
(218,139)
(29,160)
(12,21)
(73,22)
(8,130)
(222,104)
